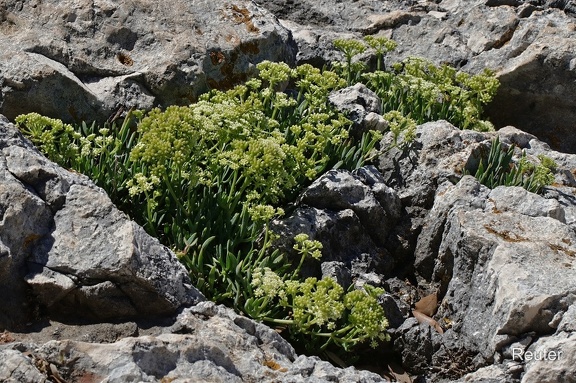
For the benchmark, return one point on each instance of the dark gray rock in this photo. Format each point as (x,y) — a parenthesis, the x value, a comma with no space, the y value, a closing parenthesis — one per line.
(351,214)
(337,271)
(362,106)
(500,260)
(376,205)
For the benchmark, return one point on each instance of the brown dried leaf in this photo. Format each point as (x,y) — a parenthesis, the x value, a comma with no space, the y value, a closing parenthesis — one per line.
(397,372)
(423,318)
(428,305)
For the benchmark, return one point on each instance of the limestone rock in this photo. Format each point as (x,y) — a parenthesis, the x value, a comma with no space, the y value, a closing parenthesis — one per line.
(362,106)
(207,343)
(64,242)
(501,261)
(84,60)
(552,359)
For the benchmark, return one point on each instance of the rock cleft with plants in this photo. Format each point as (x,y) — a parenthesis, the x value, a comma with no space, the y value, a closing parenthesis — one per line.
(207,178)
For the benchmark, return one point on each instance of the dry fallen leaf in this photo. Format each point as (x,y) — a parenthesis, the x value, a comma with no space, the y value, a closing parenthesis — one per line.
(423,318)
(397,372)
(427,305)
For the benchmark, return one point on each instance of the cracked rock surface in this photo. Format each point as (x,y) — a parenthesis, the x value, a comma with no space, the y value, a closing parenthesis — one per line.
(206,343)
(85,60)
(68,252)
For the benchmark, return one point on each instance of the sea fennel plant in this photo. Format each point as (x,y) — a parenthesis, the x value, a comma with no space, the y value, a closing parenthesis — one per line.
(228,163)
(207,179)
(419,90)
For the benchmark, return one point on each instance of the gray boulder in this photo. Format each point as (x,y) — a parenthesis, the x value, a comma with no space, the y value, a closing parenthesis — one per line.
(501,261)
(80,60)
(206,343)
(63,242)
(507,282)
(362,106)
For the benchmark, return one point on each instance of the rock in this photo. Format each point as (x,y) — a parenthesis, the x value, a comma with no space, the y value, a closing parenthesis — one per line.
(440,152)
(337,271)
(351,214)
(64,242)
(501,260)
(393,313)
(206,343)
(376,205)
(341,233)
(16,367)
(97,58)
(490,374)
(503,274)
(315,44)
(551,360)
(467,194)
(362,106)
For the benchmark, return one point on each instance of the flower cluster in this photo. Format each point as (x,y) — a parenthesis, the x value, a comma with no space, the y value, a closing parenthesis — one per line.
(419,89)
(321,308)
(366,315)
(399,124)
(306,247)
(102,153)
(426,92)
(57,140)
(268,283)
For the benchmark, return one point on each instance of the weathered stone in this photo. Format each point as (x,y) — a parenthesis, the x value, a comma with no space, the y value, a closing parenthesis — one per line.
(337,271)
(16,368)
(466,194)
(206,343)
(501,260)
(505,273)
(552,359)
(94,58)
(490,374)
(440,153)
(358,102)
(63,240)
(341,233)
(116,268)
(351,214)
(339,190)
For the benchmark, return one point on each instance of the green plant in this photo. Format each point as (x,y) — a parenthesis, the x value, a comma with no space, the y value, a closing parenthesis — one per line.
(207,178)
(498,169)
(418,89)
(425,92)
(381,45)
(317,311)
(101,153)
(350,48)
(398,124)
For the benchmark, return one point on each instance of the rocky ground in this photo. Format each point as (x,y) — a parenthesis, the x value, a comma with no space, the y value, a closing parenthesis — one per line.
(500,263)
